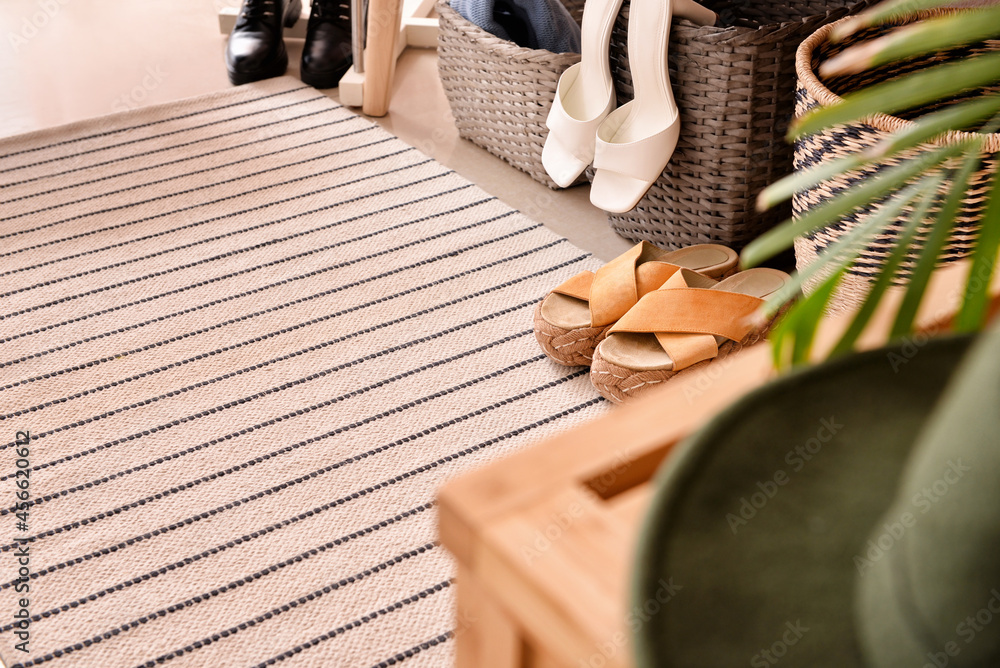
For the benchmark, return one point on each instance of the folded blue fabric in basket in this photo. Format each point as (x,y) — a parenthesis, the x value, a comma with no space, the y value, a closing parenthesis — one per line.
(533,24)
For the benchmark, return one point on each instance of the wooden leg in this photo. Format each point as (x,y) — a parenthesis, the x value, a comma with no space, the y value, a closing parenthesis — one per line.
(380,54)
(485,635)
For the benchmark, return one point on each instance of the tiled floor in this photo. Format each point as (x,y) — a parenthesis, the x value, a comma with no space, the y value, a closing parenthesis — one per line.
(66,60)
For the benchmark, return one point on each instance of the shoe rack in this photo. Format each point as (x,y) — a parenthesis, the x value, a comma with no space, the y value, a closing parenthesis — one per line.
(369,86)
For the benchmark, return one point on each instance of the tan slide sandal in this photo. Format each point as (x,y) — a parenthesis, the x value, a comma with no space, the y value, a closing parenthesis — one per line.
(687,323)
(572,319)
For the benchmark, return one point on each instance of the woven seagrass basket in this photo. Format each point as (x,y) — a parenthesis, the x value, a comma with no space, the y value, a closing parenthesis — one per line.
(499,92)
(844,140)
(735,87)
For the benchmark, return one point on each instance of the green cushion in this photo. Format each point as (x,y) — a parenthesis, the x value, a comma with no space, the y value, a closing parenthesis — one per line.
(932,598)
(760,518)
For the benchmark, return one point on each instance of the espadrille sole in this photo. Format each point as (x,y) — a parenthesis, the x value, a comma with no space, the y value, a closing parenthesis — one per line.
(619,384)
(569,347)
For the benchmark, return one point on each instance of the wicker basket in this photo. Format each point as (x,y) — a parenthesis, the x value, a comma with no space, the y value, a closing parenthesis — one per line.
(850,139)
(499,92)
(735,87)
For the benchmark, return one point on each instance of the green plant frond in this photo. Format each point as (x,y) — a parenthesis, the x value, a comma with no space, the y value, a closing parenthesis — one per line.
(974,311)
(793,337)
(780,340)
(845,250)
(913,90)
(782,337)
(781,237)
(813,310)
(923,130)
(935,124)
(934,244)
(941,175)
(921,38)
(882,13)
(888,270)
(804,179)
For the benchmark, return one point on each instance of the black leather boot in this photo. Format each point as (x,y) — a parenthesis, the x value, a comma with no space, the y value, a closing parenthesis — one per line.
(256,49)
(326,55)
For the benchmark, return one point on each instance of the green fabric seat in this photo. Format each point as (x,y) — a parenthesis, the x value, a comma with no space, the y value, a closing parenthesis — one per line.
(845,515)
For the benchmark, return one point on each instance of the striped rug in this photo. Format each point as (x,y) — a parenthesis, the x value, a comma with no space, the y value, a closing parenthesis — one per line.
(249,335)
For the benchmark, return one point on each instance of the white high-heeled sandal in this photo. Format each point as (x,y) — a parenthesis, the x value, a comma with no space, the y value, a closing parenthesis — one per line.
(634,143)
(584,97)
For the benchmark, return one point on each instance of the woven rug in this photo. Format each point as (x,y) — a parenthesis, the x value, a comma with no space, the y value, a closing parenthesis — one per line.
(249,335)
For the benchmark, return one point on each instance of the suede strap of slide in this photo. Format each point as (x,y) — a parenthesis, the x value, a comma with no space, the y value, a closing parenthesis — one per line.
(618,285)
(686,320)
(578,286)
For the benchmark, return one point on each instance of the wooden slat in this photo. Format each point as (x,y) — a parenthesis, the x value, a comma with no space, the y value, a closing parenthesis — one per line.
(570,598)
(485,635)
(380,54)
(629,507)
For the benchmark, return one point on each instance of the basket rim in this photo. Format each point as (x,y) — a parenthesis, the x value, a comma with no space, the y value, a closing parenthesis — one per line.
(496,44)
(744,31)
(684,26)
(880,121)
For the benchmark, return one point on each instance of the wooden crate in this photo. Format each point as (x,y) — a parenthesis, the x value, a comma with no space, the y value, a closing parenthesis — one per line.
(544,539)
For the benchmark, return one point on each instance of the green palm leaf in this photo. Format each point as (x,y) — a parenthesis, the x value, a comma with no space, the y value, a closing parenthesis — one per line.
(778,239)
(925,129)
(845,250)
(918,39)
(888,270)
(974,306)
(935,243)
(884,12)
(936,177)
(793,337)
(913,90)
